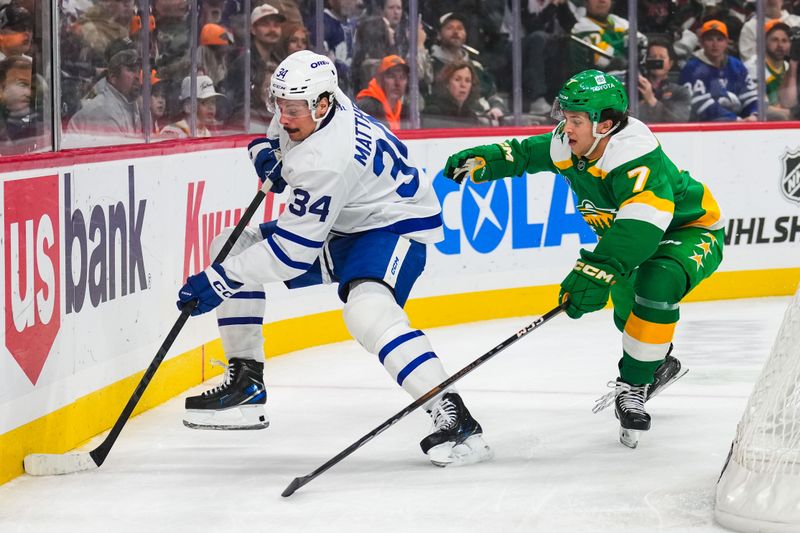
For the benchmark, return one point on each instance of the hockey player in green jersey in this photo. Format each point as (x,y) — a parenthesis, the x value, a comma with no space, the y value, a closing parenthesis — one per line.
(660,230)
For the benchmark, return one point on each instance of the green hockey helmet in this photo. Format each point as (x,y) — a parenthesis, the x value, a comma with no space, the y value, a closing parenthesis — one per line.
(591,91)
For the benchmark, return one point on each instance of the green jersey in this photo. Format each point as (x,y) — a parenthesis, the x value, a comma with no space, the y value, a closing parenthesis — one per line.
(631,196)
(608,35)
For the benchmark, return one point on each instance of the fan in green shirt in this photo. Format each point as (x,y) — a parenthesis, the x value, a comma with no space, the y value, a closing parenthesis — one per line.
(661,232)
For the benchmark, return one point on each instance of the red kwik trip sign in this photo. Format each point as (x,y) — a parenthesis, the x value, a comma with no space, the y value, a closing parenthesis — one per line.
(32,270)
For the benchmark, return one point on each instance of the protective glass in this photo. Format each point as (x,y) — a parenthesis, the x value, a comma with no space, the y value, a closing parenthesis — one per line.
(288,108)
(556,112)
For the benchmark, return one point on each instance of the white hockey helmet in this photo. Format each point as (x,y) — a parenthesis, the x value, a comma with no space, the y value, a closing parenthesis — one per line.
(305,76)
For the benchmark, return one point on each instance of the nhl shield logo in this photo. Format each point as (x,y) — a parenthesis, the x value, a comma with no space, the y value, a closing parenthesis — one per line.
(790,176)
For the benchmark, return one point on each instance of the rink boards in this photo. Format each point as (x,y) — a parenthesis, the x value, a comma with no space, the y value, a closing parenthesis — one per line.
(96,243)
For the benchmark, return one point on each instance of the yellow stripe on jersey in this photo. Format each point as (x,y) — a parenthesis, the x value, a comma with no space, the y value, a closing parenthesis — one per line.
(563,165)
(649,198)
(597,172)
(712,219)
(649,332)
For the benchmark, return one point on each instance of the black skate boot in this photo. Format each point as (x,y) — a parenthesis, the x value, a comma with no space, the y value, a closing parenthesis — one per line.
(629,409)
(456,437)
(666,374)
(238,403)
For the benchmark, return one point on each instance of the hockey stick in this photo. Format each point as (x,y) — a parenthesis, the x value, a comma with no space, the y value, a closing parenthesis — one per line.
(300,481)
(47,464)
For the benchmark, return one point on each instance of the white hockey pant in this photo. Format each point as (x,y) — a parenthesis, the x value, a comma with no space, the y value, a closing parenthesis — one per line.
(380,325)
(240,318)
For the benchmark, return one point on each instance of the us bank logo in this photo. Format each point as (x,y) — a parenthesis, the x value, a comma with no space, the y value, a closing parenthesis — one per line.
(494,212)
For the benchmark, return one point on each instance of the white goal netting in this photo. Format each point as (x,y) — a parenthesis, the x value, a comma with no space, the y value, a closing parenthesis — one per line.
(759,489)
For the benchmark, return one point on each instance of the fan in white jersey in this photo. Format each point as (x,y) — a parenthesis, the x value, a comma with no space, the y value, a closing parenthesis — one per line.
(359,214)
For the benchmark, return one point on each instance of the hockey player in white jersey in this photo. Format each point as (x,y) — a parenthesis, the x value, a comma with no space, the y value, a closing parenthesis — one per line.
(359,214)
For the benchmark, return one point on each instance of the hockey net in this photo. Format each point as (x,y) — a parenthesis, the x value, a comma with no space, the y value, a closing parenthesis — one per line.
(759,489)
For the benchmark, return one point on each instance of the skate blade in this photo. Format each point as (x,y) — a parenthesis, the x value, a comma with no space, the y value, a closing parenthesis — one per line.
(234,419)
(471,451)
(629,437)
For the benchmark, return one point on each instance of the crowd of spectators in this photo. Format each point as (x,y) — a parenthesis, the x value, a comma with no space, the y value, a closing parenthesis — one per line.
(696,62)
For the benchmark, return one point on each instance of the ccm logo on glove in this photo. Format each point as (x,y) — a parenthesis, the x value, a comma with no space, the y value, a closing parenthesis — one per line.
(594,272)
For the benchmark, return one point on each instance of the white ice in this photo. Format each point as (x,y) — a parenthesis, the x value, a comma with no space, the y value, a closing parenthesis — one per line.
(557,467)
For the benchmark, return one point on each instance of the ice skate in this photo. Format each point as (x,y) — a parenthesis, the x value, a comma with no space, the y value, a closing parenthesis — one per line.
(629,410)
(666,374)
(456,437)
(237,403)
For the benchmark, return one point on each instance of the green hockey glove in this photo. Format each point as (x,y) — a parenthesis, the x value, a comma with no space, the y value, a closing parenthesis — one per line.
(589,283)
(481,163)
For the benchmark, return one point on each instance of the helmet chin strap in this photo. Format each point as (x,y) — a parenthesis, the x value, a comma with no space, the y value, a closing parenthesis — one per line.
(599,136)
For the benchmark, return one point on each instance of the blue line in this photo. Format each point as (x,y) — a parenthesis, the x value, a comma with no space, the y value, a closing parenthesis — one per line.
(240,321)
(250,295)
(281,255)
(394,343)
(410,367)
(297,239)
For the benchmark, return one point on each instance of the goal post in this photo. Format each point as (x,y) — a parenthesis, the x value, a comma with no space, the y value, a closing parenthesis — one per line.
(759,489)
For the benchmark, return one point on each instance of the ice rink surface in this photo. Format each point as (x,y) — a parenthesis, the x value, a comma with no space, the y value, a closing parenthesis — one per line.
(557,466)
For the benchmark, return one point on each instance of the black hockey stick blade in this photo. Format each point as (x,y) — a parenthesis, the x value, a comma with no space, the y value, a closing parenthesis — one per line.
(45,464)
(441,387)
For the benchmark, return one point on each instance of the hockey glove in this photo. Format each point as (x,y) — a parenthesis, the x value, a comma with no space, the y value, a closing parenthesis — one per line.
(266,157)
(589,283)
(209,288)
(481,163)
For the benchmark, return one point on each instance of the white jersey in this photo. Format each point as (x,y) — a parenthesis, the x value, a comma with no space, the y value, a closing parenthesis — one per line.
(350,176)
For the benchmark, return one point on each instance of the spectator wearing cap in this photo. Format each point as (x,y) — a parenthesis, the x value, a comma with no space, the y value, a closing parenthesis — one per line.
(206,109)
(16,30)
(339,21)
(213,51)
(722,90)
(450,49)
(779,73)
(773,10)
(266,29)
(485,22)
(661,98)
(113,111)
(450,103)
(384,97)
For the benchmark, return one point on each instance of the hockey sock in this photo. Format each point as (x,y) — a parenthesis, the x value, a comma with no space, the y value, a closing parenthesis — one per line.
(240,318)
(381,326)
(660,284)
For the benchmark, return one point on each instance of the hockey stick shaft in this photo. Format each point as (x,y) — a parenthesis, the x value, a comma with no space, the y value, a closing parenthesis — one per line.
(100,453)
(37,464)
(301,481)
